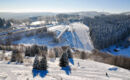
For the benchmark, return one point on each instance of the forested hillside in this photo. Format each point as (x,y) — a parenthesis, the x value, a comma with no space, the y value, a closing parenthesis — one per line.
(108,30)
(4,23)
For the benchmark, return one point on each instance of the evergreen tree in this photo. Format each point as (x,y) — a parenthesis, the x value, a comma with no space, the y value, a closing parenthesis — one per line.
(36,63)
(1,23)
(14,55)
(28,51)
(64,60)
(40,63)
(19,57)
(8,24)
(43,63)
(69,53)
(83,55)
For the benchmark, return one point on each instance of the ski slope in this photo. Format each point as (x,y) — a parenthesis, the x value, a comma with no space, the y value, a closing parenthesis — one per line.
(77,35)
(81,70)
(81,32)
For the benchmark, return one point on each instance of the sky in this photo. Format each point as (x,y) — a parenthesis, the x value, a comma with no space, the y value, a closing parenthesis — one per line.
(113,6)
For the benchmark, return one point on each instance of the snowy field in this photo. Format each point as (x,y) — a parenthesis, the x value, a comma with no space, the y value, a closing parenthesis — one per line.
(81,70)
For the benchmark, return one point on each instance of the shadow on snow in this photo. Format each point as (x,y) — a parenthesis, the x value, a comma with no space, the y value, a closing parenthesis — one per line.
(67,69)
(113,69)
(42,73)
(71,61)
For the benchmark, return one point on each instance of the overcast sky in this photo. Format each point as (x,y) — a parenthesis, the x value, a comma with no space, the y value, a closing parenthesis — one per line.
(114,6)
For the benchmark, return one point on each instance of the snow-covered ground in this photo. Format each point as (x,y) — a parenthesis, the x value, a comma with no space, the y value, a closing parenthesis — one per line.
(37,23)
(81,70)
(58,27)
(48,41)
(121,51)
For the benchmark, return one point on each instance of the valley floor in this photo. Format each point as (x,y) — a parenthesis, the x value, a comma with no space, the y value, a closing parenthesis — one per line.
(81,70)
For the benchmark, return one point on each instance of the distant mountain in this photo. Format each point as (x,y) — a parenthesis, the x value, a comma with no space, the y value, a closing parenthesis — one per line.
(91,13)
(126,13)
(8,15)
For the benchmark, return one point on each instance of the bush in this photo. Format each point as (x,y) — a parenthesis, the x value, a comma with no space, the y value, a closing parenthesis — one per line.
(1,47)
(51,53)
(76,53)
(14,55)
(8,41)
(17,56)
(36,50)
(41,30)
(83,55)
(28,51)
(30,33)
(58,51)
(42,35)
(51,33)
(32,51)
(56,40)
(2,55)
(8,48)
(120,61)
(16,38)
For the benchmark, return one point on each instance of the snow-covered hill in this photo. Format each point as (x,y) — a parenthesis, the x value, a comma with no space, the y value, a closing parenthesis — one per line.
(76,35)
(81,70)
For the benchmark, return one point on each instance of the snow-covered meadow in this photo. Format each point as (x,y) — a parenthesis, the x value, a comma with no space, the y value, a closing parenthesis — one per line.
(81,70)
